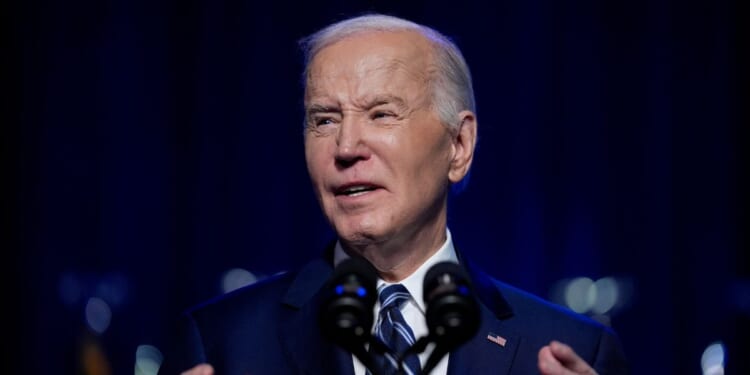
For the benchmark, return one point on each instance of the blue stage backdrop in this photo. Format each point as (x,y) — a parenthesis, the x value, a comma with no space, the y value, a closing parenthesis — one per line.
(156,160)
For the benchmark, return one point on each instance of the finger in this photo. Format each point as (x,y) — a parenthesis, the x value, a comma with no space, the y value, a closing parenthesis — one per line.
(569,359)
(202,369)
(548,364)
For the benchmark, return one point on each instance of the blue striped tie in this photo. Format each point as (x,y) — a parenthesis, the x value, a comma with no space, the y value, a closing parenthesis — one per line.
(394,331)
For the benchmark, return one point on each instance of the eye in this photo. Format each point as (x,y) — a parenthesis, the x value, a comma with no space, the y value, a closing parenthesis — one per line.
(381,114)
(323,121)
(318,121)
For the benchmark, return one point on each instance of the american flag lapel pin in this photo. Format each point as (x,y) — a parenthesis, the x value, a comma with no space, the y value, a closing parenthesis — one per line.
(497,339)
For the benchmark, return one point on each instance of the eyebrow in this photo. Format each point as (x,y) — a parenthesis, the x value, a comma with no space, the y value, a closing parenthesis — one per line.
(369,104)
(319,108)
(385,99)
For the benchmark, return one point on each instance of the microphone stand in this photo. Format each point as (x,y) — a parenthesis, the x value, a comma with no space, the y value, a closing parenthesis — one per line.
(367,358)
(379,347)
(435,356)
(417,349)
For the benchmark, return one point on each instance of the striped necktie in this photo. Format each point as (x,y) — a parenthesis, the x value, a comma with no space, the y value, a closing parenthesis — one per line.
(393,331)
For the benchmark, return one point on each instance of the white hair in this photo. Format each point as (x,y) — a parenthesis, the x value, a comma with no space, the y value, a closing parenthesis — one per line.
(452,90)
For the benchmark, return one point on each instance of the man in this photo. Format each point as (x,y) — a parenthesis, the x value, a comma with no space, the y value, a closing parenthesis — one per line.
(390,126)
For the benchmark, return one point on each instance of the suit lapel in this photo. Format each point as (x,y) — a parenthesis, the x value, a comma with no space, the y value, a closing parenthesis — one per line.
(491,351)
(493,348)
(300,335)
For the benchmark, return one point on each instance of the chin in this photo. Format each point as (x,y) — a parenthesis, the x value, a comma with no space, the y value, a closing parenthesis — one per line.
(358,234)
(356,237)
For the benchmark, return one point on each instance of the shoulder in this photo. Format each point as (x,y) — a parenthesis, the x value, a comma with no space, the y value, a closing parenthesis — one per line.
(524,302)
(267,297)
(512,304)
(540,321)
(533,322)
(268,290)
(545,314)
(211,331)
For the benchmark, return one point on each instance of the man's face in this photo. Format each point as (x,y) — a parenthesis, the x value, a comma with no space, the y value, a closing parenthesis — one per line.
(377,154)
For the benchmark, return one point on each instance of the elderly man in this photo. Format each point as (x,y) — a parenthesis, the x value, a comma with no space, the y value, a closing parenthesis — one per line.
(390,126)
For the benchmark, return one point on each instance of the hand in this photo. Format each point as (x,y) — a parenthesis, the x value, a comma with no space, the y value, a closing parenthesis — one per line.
(202,369)
(560,359)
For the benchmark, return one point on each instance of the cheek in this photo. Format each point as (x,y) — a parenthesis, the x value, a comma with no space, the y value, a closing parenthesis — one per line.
(431,168)
(392,140)
(430,152)
(314,158)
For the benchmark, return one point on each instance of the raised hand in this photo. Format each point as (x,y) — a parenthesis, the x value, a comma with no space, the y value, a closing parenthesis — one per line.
(202,369)
(560,359)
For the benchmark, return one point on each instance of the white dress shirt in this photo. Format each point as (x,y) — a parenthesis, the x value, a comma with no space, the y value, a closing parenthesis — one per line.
(414,310)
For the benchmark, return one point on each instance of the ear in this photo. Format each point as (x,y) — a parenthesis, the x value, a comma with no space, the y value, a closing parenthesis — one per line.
(464,142)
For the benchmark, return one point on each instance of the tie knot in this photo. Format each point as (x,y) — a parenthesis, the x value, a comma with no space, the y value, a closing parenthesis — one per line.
(393,296)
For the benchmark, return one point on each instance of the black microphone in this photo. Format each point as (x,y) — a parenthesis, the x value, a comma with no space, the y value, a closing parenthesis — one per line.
(346,315)
(452,314)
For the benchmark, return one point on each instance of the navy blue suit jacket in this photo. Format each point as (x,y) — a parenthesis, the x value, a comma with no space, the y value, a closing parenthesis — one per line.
(271,328)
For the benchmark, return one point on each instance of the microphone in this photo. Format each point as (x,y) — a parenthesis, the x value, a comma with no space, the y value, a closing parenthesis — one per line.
(346,315)
(452,312)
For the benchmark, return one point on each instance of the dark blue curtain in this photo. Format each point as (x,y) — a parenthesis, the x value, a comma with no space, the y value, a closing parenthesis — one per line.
(153,146)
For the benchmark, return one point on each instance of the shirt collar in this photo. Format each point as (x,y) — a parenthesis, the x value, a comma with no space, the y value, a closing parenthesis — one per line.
(412,283)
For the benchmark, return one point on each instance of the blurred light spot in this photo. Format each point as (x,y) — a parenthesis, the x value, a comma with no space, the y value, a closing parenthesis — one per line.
(148,359)
(606,295)
(113,289)
(98,315)
(580,294)
(93,359)
(70,289)
(712,360)
(236,278)
(599,299)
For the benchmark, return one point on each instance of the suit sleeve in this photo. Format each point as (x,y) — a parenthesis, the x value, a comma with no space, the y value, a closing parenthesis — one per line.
(186,348)
(610,357)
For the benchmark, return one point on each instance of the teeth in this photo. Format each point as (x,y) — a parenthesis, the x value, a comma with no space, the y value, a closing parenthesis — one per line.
(356,190)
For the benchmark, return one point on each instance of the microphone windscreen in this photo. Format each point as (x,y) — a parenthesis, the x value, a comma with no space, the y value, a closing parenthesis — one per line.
(452,311)
(346,315)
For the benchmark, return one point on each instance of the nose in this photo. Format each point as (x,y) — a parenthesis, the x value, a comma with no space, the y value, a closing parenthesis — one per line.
(351,143)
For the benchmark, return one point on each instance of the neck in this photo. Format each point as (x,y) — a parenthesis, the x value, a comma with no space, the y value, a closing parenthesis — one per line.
(398,257)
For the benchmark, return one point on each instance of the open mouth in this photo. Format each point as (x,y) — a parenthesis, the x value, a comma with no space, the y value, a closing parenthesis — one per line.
(354,190)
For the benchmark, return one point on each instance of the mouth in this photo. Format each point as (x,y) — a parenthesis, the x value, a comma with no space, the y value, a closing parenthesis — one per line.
(355,189)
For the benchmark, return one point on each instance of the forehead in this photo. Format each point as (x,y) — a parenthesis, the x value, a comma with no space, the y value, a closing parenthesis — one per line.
(388,58)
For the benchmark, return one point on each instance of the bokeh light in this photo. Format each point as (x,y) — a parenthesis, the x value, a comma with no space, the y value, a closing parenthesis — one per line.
(712,361)
(98,315)
(236,278)
(607,293)
(600,299)
(148,359)
(580,294)
(113,288)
